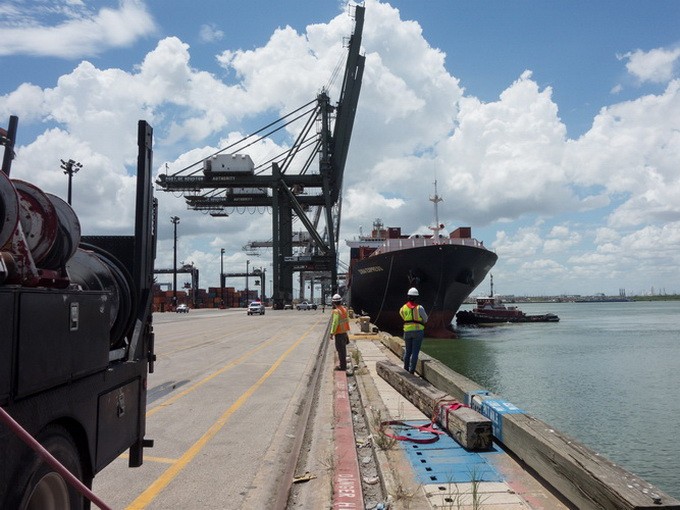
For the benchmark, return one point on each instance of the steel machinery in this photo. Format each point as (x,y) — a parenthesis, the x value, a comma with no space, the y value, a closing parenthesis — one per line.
(76,339)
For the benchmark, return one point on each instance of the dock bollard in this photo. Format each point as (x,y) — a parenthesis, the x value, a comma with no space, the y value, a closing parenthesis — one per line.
(365,323)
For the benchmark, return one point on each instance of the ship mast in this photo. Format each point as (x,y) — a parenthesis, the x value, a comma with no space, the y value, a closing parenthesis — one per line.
(435,200)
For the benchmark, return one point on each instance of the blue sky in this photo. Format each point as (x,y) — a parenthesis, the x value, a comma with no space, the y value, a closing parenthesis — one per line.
(553,129)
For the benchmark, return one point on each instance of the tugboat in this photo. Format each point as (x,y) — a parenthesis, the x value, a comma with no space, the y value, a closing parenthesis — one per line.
(491,310)
(444,269)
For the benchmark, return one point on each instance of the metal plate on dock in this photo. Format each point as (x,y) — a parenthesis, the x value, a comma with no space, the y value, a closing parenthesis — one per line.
(445,461)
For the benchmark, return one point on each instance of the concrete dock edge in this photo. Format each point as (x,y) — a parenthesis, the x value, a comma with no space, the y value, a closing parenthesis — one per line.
(576,472)
(395,472)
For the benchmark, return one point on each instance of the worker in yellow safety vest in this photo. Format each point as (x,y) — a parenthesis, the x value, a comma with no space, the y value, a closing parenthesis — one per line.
(414,317)
(339,329)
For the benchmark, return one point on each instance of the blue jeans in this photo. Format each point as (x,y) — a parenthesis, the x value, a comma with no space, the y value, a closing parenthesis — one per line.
(413,341)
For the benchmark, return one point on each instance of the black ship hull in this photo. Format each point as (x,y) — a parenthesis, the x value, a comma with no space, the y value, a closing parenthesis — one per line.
(444,275)
(466,317)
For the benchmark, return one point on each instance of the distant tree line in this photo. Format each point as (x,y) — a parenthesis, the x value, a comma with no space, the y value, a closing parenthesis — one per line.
(665,297)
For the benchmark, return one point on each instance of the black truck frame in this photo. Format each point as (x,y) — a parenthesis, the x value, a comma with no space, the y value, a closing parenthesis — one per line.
(64,377)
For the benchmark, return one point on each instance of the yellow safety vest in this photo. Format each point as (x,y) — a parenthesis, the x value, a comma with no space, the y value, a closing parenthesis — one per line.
(340,321)
(411,316)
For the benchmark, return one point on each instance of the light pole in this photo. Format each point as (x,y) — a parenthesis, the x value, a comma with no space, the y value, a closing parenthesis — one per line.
(70,167)
(263,279)
(222,276)
(175,221)
(247,269)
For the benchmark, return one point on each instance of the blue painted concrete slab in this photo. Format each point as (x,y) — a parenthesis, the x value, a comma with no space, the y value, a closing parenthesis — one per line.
(444,456)
(445,461)
(449,450)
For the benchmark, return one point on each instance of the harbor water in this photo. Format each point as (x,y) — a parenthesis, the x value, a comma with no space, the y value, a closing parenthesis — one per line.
(607,374)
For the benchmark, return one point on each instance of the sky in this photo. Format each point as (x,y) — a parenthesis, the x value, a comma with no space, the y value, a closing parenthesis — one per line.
(551,128)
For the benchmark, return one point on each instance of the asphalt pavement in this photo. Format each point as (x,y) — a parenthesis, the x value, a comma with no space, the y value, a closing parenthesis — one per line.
(223,410)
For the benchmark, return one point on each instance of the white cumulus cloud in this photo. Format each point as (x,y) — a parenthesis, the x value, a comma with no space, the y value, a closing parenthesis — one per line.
(80,33)
(658,65)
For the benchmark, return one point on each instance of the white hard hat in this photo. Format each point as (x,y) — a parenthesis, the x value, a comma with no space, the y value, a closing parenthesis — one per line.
(413,292)
(336,297)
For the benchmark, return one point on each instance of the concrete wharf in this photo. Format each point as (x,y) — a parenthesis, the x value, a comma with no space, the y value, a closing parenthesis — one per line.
(534,467)
(248,412)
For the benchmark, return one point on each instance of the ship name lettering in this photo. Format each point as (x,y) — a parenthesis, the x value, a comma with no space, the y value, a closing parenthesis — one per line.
(371,269)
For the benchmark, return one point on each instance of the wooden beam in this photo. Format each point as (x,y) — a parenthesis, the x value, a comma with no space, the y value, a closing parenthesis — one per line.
(469,428)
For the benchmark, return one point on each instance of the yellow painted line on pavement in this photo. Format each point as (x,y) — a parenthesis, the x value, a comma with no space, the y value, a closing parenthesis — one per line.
(148,458)
(219,335)
(169,475)
(210,377)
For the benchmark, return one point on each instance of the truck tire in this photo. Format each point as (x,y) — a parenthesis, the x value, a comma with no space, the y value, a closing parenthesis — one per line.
(44,488)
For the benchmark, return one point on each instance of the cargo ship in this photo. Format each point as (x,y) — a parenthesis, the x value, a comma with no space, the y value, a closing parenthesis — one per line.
(444,269)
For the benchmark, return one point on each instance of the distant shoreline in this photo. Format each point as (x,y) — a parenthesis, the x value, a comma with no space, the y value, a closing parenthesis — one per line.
(582,299)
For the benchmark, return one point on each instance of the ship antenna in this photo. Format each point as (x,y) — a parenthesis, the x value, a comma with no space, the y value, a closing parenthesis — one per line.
(491,285)
(435,200)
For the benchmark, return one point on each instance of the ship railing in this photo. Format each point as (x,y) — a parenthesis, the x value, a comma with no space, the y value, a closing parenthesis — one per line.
(417,242)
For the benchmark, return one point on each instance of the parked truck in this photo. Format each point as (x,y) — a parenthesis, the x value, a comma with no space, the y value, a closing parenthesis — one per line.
(76,339)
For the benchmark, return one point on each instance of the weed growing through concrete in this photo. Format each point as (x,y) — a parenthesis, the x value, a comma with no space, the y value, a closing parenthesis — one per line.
(356,357)
(477,498)
(403,495)
(328,461)
(381,440)
(359,368)
(455,498)
(452,496)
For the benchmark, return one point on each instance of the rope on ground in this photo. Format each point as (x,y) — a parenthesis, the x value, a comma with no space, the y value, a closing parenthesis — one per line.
(429,428)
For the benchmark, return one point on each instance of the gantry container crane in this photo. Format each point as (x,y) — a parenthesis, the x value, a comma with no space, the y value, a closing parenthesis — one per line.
(289,195)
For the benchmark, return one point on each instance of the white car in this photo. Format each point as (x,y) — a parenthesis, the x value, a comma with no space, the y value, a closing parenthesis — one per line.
(182,308)
(256,307)
(306,306)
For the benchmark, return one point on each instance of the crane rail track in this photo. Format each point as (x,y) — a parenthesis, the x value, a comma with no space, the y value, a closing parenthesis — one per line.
(284,491)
